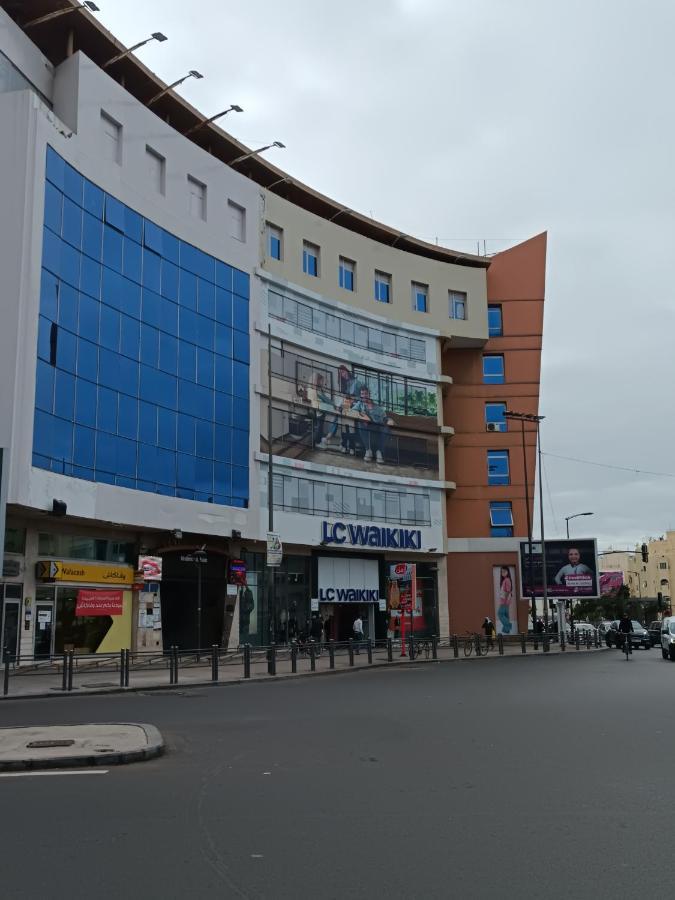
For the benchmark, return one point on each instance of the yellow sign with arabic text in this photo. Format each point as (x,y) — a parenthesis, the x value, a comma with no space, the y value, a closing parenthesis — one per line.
(84,573)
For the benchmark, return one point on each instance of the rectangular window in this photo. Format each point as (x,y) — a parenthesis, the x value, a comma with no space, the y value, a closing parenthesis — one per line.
(156,169)
(274,238)
(494,417)
(501,519)
(237,221)
(498,467)
(663,565)
(493,369)
(347,273)
(112,139)
(197,192)
(382,287)
(310,259)
(457,304)
(495,321)
(420,297)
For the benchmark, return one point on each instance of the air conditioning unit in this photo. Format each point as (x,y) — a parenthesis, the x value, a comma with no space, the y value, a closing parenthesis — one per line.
(493,426)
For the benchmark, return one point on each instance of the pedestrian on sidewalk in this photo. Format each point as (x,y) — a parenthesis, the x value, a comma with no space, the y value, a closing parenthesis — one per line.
(489,629)
(357,628)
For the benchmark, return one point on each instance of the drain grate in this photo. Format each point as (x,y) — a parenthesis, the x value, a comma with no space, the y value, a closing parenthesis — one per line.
(39,744)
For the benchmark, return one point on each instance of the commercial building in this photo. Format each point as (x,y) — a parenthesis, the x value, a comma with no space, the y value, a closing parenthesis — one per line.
(168,295)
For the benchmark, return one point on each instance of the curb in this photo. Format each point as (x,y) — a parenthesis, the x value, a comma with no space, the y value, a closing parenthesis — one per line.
(146,689)
(154,748)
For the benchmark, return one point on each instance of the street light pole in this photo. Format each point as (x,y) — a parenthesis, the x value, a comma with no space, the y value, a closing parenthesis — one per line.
(575,516)
(541,520)
(270,481)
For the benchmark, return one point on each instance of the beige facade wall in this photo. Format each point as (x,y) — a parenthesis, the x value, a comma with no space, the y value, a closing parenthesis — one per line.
(404,268)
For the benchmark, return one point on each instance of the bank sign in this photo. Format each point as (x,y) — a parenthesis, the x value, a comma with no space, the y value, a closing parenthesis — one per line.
(371,536)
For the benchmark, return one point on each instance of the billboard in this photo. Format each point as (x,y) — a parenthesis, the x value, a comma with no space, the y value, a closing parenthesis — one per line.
(571,568)
(506,613)
(610,582)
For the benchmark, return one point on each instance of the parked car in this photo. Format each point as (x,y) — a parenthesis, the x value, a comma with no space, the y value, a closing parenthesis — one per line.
(639,636)
(603,627)
(668,638)
(655,632)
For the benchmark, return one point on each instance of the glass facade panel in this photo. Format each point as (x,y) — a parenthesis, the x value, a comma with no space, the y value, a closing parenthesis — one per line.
(129,321)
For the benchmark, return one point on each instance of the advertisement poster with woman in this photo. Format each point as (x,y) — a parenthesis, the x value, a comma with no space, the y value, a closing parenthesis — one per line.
(506,613)
(401,589)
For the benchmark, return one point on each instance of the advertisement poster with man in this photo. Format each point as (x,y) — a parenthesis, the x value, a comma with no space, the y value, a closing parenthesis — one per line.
(506,614)
(402,594)
(571,568)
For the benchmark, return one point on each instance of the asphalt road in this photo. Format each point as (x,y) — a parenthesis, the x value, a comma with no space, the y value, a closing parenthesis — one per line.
(539,777)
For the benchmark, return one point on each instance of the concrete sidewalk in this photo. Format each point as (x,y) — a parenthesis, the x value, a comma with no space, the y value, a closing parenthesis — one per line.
(68,746)
(90,680)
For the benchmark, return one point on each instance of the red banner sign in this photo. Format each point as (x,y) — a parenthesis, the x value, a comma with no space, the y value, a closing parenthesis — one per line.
(99,603)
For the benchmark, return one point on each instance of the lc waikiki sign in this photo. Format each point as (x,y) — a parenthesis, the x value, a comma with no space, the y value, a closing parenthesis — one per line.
(371,536)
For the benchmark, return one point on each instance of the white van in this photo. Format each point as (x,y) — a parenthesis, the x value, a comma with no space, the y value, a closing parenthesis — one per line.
(668,638)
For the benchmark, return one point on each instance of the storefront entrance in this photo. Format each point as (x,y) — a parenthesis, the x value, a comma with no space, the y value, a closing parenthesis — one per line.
(10,613)
(187,585)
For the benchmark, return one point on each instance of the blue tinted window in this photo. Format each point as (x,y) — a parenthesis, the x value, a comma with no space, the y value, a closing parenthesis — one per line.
(49,295)
(501,515)
(126,457)
(223,344)
(223,447)
(109,368)
(166,427)
(187,361)
(44,386)
(224,306)
(222,481)
(130,336)
(275,247)
(158,387)
(68,307)
(44,340)
(166,467)
(494,415)
(128,379)
(85,403)
(185,471)
(127,420)
(239,447)
(110,328)
(92,236)
(152,270)
(169,277)
(70,265)
(493,369)
(205,332)
(240,380)
(186,433)
(89,317)
(206,298)
(73,184)
(133,260)
(64,395)
(204,439)
(241,351)
(149,346)
(51,251)
(240,283)
(106,453)
(87,360)
(223,409)
(113,247)
(239,482)
(187,290)
(224,374)
(170,247)
(114,212)
(168,354)
(66,350)
(72,223)
(498,466)
(133,225)
(205,367)
(90,277)
(169,316)
(151,309)
(187,325)
(224,275)
(494,321)
(93,199)
(62,435)
(199,400)
(107,410)
(204,476)
(240,314)
(42,433)
(152,237)
(53,208)
(56,167)
(147,423)
(84,446)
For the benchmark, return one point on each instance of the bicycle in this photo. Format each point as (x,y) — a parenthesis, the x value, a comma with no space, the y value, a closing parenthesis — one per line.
(475,642)
(627,645)
(422,645)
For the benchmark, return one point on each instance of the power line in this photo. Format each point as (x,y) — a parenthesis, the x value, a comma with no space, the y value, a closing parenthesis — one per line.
(590,462)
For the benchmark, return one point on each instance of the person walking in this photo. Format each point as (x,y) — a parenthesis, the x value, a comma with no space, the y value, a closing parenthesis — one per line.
(357,628)
(489,629)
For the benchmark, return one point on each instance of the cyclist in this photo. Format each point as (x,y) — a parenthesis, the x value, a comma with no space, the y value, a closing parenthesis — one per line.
(625,628)
(489,629)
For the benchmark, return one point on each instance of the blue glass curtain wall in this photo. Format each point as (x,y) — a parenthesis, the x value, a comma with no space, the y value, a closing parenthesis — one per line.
(143,351)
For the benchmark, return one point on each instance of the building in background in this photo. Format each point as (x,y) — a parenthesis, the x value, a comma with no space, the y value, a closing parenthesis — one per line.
(147,272)
(646,579)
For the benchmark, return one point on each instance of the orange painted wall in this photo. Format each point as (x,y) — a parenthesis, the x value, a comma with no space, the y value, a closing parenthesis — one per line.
(516,281)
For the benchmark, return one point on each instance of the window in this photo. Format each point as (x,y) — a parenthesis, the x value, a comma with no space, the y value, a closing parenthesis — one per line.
(420,297)
(347,270)
(112,139)
(274,237)
(15,540)
(457,304)
(237,221)
(197,192)
(664,582)
(493,369)
(498,467)
(495,321)
(156,169)
(494,417)
(382,287)
(310,259)
(663,565)
(501,519)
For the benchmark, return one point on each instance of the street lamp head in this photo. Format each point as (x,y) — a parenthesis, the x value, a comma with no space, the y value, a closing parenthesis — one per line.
(195,73)
(279,145)
(236,108)
(158,36)
(91,6)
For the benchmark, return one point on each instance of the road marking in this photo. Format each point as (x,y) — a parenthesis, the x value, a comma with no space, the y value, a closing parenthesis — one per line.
(54,772)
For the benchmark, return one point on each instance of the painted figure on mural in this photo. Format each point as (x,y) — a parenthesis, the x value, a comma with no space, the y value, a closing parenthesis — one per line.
(505,598)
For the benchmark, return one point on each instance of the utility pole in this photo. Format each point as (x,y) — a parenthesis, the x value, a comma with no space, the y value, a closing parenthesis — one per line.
(270,484)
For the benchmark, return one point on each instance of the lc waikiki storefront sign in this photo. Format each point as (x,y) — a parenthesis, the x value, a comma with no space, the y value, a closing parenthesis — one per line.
(371,536)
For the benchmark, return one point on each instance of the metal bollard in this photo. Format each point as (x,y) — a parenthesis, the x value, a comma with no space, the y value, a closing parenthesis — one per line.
(523,643)
(127,659)
(535,640)
(476,643)
(175,663)
(411,648)
(247,660)
(71,656)
(214,662)
(331,654)
(5,687)
(294,658)
(588,640)
(390,650)
(500,644)
(577,640)
(455,646)
(272,660)
(351,651)
(434,647)
(370,652)
(562,641)
(122,652)
(596,640)
(547,646)
(64,681)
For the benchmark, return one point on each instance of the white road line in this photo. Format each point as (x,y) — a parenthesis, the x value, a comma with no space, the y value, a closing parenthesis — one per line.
(54,772)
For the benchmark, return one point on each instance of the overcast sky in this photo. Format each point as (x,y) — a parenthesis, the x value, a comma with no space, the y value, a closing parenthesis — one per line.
(495,120)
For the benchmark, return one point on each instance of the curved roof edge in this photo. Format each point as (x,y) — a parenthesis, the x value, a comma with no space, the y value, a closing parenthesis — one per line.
(97,43)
